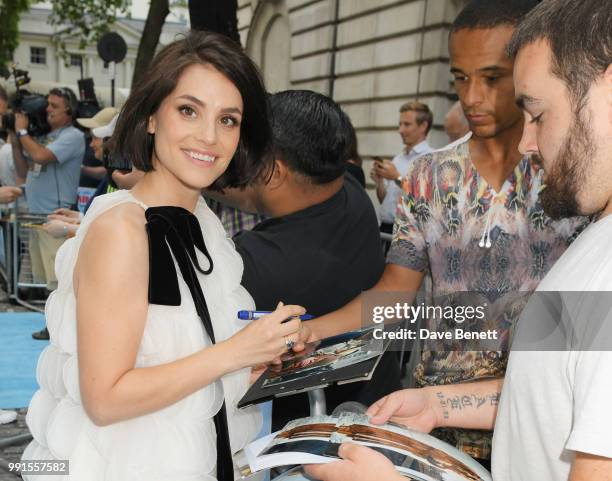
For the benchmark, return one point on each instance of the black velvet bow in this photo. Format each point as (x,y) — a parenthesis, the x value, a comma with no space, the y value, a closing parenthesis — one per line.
(176,231)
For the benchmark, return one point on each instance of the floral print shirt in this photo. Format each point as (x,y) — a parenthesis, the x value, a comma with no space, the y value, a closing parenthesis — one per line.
(466,237)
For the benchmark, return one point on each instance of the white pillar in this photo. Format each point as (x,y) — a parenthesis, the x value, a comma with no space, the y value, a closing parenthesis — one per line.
(89,65)
(128,72)
(58,68)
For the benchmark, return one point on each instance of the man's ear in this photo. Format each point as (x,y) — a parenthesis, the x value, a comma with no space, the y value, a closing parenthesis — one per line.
(279,175)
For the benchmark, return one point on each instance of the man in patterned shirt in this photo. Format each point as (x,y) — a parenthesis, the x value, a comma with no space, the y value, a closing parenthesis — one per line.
(470,219)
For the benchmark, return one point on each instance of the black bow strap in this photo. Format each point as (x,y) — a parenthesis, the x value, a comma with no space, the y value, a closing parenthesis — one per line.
(178,228)
(174,231)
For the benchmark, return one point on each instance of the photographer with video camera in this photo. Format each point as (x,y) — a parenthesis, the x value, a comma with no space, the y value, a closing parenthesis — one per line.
(51,165)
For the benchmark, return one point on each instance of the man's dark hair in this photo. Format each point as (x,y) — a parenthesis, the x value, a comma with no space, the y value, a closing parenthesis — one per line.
(131,139)
(3,94)
(579,34)
(311,134)
(485,14)
(423,114)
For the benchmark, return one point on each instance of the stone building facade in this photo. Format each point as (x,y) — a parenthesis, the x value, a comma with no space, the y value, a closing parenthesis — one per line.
(369,55)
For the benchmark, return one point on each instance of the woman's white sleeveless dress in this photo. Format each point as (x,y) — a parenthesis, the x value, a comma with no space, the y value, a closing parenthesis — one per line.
(177,443)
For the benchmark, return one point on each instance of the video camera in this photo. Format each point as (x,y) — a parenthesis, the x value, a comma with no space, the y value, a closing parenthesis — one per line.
(34,105)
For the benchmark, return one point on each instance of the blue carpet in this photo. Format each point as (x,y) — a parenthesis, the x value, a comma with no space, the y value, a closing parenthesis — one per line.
(18,357)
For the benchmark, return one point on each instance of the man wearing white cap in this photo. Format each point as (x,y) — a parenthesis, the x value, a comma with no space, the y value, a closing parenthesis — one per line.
(118,178)
(100,132)
(92,170)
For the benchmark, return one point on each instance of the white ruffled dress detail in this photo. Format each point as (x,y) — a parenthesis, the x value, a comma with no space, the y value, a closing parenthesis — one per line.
(177,443)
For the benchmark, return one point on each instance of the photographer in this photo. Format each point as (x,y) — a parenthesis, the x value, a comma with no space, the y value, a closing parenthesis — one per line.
(93,171)
(51,165)
(100,134)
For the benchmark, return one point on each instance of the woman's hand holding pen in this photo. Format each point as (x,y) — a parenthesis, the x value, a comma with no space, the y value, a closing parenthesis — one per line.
(265,339)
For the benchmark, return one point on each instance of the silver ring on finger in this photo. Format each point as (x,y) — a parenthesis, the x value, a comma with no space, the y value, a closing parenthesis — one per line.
(289,343)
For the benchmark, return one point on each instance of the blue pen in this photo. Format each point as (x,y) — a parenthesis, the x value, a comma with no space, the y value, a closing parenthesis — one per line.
(251,315)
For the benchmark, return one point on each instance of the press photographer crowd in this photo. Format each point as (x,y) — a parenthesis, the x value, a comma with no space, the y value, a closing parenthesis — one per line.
(51,160)
(204,195)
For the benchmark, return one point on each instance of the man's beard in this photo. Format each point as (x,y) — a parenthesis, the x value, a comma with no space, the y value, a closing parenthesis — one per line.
(567,176)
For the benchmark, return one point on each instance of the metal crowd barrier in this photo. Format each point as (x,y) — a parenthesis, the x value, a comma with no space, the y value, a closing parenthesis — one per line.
(17,269)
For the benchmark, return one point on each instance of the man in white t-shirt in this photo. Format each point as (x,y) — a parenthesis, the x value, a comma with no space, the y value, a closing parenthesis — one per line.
(553,421)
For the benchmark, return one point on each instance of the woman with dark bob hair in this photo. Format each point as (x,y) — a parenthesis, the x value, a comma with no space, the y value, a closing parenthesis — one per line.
(147,358)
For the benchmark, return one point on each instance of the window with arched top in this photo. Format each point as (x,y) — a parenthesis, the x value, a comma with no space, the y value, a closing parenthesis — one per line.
(269,43)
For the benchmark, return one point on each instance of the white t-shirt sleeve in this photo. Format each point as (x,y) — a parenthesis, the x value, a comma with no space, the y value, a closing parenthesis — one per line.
(592,393)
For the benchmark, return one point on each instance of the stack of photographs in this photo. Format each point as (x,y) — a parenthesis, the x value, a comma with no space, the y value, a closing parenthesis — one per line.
(316,439)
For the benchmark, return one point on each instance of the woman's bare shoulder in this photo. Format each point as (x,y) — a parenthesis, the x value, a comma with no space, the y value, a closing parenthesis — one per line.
(118,232)
(123,220)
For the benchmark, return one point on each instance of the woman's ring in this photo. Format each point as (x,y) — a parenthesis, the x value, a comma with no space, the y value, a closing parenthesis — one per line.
(289,343)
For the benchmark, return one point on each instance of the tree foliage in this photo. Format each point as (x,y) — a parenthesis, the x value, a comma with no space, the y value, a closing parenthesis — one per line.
(10,10)
(87,20)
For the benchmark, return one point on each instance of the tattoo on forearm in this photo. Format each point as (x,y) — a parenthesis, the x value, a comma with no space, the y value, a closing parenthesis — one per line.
(443,404)
(476,401)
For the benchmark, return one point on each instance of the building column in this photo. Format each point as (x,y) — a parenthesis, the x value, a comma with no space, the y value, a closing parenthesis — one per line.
(88,65)
(59,66)
(127,73)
